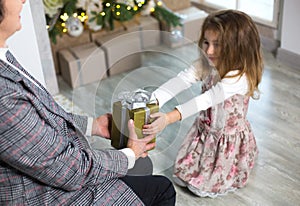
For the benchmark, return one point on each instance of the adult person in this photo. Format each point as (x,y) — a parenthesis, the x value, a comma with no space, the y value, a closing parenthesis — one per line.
(45,157)
(219,152)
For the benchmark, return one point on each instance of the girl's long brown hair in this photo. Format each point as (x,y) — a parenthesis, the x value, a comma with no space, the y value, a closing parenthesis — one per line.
(1,10)
(240,47)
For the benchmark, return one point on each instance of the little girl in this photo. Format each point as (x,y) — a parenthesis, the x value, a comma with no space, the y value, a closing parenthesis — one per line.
(218,153)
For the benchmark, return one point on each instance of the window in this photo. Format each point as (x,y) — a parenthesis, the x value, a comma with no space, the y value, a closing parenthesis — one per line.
(262,11)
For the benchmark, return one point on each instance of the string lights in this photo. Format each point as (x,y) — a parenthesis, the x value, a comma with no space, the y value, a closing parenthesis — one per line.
(104,15)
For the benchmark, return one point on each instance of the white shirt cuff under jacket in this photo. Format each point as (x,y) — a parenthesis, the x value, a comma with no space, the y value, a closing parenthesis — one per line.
(130,155)
(89,126)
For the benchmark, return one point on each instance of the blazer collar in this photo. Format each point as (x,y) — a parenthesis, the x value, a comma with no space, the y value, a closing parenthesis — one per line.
(8,72)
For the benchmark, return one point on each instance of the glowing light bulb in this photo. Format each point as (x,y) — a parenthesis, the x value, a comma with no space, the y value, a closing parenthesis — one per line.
(64,17)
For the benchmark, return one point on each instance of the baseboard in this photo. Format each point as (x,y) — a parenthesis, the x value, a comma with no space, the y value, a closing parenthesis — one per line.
(269,44)
(289,58)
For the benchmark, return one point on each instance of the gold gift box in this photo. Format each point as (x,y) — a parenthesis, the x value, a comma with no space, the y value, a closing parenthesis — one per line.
(121,115)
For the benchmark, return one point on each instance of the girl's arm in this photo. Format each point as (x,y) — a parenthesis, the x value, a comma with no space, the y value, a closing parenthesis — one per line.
(224,89)
(164,93)
(217,94)
(174,86)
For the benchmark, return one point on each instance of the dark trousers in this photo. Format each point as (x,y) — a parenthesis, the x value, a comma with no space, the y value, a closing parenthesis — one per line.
(152,189)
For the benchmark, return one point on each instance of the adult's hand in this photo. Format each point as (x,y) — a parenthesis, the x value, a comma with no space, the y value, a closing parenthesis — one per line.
(141,146)
(102,125)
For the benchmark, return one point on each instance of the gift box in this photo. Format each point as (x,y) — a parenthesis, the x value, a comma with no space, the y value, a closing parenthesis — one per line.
(138,106)
(82,64)
(150,33)
(122,51)
(191,19)
(148,28)
(118,27)
(67,41)
(176,5)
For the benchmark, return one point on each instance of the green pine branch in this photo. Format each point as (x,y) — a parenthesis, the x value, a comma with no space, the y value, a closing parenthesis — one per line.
(69,6)
(167,16)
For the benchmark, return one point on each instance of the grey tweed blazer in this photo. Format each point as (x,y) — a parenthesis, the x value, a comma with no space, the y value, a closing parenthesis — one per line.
(45,159)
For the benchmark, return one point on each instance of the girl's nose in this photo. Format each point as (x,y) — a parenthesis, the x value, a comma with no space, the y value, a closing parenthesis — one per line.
(210,49)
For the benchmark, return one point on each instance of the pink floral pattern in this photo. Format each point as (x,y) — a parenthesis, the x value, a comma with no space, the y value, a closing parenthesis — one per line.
(212,160)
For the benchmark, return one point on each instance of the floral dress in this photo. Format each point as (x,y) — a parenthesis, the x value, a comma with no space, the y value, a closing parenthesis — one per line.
(219,151)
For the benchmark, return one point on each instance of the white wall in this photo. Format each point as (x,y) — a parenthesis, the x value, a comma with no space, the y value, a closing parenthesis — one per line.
(289,50)
(290,40)
(23,45)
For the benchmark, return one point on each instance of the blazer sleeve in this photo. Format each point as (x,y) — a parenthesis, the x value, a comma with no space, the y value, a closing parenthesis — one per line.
(30,145)
(80,121)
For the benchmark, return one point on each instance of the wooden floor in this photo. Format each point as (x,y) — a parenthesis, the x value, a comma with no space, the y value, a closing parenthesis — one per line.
(275,119)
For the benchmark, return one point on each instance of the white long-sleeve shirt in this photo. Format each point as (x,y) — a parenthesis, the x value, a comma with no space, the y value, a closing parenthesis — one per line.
(224,89)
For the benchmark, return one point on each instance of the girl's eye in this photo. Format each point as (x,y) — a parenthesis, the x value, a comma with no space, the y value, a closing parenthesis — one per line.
(205,43)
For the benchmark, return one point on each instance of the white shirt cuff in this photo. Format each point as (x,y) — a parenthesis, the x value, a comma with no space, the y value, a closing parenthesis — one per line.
(130,155)
(89,126)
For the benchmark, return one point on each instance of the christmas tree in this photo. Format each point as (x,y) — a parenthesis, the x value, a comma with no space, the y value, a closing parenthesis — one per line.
(63,16)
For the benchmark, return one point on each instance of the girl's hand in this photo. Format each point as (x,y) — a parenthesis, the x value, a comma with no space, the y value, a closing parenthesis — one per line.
(160,122)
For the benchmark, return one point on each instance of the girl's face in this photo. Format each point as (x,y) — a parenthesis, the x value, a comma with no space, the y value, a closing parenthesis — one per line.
(211,45)
(12,20)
